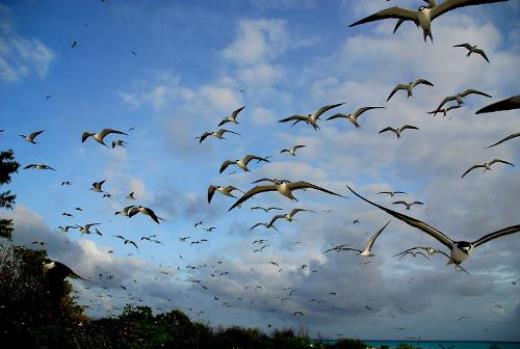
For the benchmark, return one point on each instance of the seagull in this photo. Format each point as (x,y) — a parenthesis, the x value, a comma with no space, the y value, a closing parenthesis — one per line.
(267,225)
(227,191)
(74,44)
(118,143)
(124,211)
(473,49)
(66,183)
(459,250)
(408,87)
(197,224)
(444,110)
(241,163)
(130,196)
(398,131)
(407,204)
(297,313)
(261,248)
(514,135)
(184,238)
(99,137)
(261,241)
(424,15)
(283,187)
(86,228)
(392,193)
(30,138)
(265,209)
(217,134)
(367,251)
(288,216)
(486,166)
(353,118)
(131,242)
(337,248)
(210,229)
(458,97)
(96,186)
(231,118)
(133,53)
(66,228)
(67,214)
(311,119)
(38,167)
(505,104)
(292,150)
(144,210)
(412,253)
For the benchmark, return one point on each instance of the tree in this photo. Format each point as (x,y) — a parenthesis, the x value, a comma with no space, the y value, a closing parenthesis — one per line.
(8,166)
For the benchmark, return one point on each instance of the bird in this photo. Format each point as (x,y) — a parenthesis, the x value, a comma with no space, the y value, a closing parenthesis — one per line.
(288,216)
(107,195)
(486,166)
(144,210)
(217,134)
(337,248)
(353,118)
(292,150)
(125,211)
(210,229)
(407,204)
(231,118)
(423,16)
(118,143)
(511,136)
(86,228)
(198,223)
(66,183)
(444,110)
(367,251)
(265,209)
(408,87)
(99,137)
(38,167)
(96,186)
(458,97)
(261,241)
(283,187)
(398,131)
(505,104)
(413,254)
(133,53)
(392,193)
(227,191)
(473,49)
(74,44)
(55,273)
(297,313)
(310,119)
(66,228)
(267,225)
(30,138)
(459,250)
(241,163)
(130,196)
(67,214)
(131,242)
(261,248)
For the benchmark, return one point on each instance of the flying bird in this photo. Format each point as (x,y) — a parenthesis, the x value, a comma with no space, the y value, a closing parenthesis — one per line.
(367,251)
(288,216)
(74,44)
(473,49)
(459,96)
(217,134)
(66,183)
(353,118)
(99,137)
(130,196)
(514,135)
(505,104)
(486,166)
(460,250)
(144,210)
(444,110)
(30,138)
(265,209)
(267,225)
(125,211)
(227,191)
(38,167)
(311,119)
(241,163)
(392,193)
(231,118)
(292,150)
(86,228)
(96,186)
(423,16)
(399,130)
(408,87)
(118,143)
(407,204)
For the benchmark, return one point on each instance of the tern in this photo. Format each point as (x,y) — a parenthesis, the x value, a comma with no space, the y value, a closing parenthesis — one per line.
(96,186)
(505,104)
(283,187)
(408,87)
(99,137)
(227,191)
(241,163)
(399,130)
(124,211)
(459,250)
(231,118)
(288,216)
(217,134)
(144,210)
(86,228)
(514,135)
(39,167)
(444,110)
(292,151)
(265,209)
(353,118)
(473,49)
(407,204)
(367,251)
(392,193)
(30,138)
(458,97)
(424,15)
(311,119)
(486,166)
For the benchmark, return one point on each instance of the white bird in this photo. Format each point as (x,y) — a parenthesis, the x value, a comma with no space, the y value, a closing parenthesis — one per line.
(217,134)
(265,209)
(292,150)
(353,118)
(227,191)
(473,49)
(231,118)
(486,166)
(241,163)
(408,87)
(30,138)
(460,250)
(459,96)
(407,204)
(99,137)
(392,193)
(288,216)
(86,228)
(144,210)
(310,119)
(367,251)
(399,130)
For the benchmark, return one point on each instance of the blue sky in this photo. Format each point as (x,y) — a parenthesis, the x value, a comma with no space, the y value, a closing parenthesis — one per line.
(196,62)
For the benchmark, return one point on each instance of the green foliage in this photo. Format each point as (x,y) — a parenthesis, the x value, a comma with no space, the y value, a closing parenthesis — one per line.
(350,344)
(8,166)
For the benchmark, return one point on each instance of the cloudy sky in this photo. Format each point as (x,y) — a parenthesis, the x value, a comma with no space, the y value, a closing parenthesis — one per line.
(172,70)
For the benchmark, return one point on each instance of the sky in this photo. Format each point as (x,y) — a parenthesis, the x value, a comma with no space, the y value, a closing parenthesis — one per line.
(173,69)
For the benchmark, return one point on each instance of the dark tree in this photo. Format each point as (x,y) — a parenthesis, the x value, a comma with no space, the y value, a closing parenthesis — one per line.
(8,166)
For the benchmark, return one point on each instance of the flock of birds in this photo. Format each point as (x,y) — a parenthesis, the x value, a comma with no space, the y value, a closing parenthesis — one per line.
(457,251)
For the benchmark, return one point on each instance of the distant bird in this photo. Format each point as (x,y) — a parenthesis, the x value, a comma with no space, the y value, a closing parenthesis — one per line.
(118,143)
(66,183)
(392,193)
(337,248)
(423,16)
(261,241)
(39,167)
(125,211)
(131,242)
(96,186)
(30,138)
(261,248)
(514,135)
(408,87)
(459,96)
(48,96)
(98,232)
(407,204)
(74,44)
(292,150)
(486,166)
(311,119)
(367,251)
(283,187)
(66,228)
(99,137)
(130,196)
(399,130)
(267,225)
(231,118)
(210,229)
(444,110)
(86,228)
(368,308)
(198,223)
(355,221)
(473,49)
(227,191)
(460,250)
(288,216)
(184,238)
(133,53)
(265,209)
(67,214)
(107,195)
(413,254)
(297,313)
(505,104)
(353,118)
(144,210)
(217,134)
(241,163)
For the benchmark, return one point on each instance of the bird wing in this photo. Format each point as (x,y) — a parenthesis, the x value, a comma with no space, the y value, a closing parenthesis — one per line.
(388,129)
(305,185)
(360,111)
(225,165)
(294,117)
(501,161)
(257,225)
(152,214)
(497,234)
(391,12)
(483,54)
(337,116)
(421,81)
(34,134)
(397,88)
(444,101)
(514,135)
(250,157)
(505,104)
(284,151)
(471,91)
(428,229)
(400,202)
(252,192)
(471,169)
(449,5)
(234,115)
(417,203)
(296,210)
(132,212)
(326,108)
(29,166)
(85,135)
(465,45)
(351,249)
(223,130)
(211,192)
(204,136)
(299,146)
(107,131)
(372,239)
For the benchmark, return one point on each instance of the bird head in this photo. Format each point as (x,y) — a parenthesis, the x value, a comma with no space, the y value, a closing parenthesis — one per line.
(464,246)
